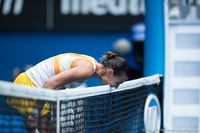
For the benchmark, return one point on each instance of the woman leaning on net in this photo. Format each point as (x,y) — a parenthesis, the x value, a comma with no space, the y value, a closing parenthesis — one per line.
(68,70)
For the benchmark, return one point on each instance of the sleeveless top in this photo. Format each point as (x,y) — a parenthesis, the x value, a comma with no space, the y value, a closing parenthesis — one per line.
(54,65)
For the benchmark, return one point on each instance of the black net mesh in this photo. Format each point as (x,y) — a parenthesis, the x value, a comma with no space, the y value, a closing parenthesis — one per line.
(116,112)
(15,115)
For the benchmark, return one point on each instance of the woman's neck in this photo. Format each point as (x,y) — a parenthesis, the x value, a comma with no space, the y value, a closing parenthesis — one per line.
(99,72)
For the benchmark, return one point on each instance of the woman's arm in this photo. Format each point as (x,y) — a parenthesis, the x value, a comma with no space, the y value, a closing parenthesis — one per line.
(81,70)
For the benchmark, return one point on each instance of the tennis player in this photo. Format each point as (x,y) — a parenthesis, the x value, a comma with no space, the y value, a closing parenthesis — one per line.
(68,70)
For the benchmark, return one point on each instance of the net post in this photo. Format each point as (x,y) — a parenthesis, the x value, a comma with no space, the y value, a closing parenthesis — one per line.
(58,116)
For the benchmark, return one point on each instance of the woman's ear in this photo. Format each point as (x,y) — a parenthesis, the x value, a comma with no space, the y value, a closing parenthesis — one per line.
(110,71)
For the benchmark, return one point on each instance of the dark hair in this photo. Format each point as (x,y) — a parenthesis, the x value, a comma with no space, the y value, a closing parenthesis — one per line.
(118,64)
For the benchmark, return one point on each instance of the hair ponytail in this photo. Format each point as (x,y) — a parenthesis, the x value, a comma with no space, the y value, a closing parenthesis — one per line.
(110,55)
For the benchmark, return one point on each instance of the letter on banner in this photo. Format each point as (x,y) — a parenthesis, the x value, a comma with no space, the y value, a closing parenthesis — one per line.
(86,7)
(17,9)
(7,7)
(98,7)
(119,8)
(75,7)
(134,7)
(64,7)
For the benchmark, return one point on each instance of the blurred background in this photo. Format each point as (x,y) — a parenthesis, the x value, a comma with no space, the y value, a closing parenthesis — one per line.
(154,36)
(34,30)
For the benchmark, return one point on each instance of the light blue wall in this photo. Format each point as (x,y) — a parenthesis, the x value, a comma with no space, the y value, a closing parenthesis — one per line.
(20,48)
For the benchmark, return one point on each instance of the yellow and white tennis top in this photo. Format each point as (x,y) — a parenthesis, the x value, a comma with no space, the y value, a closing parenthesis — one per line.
(54,65)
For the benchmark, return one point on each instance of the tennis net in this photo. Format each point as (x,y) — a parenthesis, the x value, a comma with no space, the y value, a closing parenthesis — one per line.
(94,109)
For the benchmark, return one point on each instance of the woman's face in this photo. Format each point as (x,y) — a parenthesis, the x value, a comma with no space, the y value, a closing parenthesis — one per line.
(113,81)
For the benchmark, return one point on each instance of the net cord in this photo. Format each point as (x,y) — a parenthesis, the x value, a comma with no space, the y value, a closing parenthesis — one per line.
(52,95)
